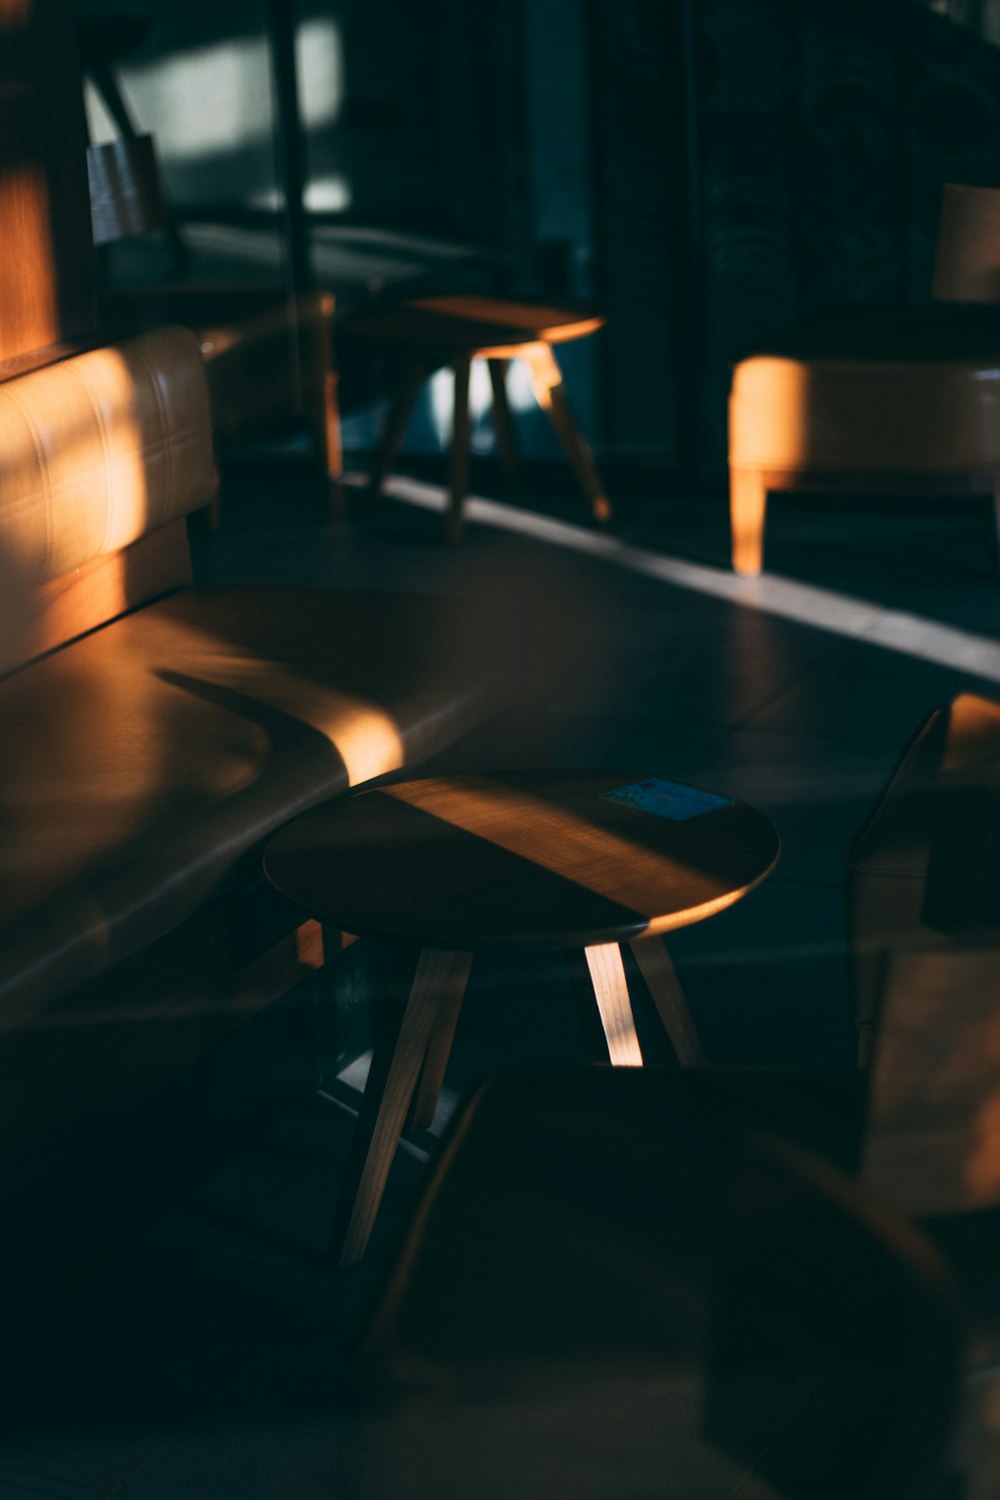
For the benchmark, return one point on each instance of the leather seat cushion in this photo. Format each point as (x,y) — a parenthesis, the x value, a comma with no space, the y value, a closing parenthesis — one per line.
(142,766)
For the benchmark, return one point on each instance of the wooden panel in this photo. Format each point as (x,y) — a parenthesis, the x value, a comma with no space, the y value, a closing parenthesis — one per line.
(70,606)
(46,251)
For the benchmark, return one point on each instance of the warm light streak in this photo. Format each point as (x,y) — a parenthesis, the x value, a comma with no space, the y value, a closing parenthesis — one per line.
(365,736)
(90,447)
(806,604)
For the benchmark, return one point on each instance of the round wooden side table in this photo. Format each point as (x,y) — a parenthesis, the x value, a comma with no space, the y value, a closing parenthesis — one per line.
(427,333)
(570,860)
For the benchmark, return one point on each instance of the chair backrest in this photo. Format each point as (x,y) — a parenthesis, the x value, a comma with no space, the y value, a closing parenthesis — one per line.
(834,1363)
(967,261)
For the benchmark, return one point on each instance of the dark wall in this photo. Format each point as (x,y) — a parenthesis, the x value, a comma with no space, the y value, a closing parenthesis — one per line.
(46,269)
(709,170)
(828,128)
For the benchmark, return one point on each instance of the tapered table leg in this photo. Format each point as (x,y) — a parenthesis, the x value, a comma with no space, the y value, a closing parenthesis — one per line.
(395,431)
(391,1084)
(461,435)
(747,515)
(450,997)
(503,425)
(550,393)
(995,523)
(657,969)
(607,974)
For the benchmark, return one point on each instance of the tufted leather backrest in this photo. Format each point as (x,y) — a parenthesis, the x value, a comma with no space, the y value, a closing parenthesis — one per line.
(100,450)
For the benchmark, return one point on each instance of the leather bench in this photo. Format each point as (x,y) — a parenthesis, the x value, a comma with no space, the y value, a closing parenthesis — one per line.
(155,733)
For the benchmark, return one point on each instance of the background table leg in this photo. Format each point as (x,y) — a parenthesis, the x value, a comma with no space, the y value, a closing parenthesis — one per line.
(395,431)
(461,436)
(550,393)
(503,425)
(657,969)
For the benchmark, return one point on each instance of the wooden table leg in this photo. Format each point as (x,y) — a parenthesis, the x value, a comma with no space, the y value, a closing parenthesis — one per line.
(391,1084)
(450,997)
(461,434)
(994,520)
(413,378)
(326,408)
(747,514)
(550,393)
(503,426)
(657,969)
(607,974)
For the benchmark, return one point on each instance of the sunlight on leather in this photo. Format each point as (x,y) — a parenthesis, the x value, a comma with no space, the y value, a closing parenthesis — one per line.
(365,736)
(68,435)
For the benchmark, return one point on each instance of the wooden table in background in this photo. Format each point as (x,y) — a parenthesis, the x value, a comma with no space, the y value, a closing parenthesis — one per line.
(427,333)
(527,860)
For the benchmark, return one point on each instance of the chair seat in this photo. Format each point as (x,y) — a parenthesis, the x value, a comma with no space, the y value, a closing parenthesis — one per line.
(142,766)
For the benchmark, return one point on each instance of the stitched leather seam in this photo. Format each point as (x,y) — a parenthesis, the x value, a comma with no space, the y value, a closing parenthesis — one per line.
(168,437)
(108,466)
(149,449)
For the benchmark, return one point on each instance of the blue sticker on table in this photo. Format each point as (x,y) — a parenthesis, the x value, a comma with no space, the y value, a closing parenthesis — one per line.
(667,799)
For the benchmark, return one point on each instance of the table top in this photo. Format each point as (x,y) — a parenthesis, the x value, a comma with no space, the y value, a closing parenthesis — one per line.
(529,859)
(472,323)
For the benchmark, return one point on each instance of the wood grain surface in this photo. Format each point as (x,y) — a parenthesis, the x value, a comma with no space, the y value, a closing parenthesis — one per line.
(480,325)
(536,859)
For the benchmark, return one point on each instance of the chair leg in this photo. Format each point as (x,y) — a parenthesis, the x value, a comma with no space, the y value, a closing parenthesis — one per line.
(747,513)
(995,519)
(607,975)
(550,393)
(326,419)
(657,969)
(450,996)
(395,1069)
(461,435)
(413,378)
(503,425)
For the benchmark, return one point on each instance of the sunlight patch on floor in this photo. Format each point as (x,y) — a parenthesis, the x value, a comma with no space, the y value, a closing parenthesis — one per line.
(806,604)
